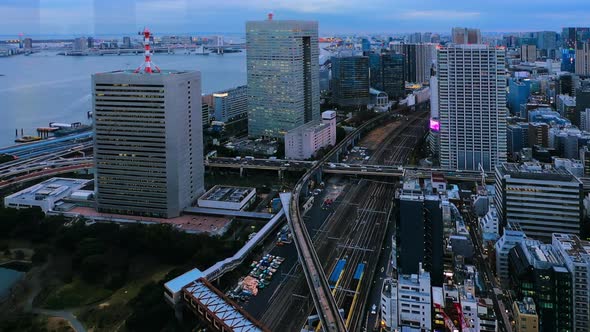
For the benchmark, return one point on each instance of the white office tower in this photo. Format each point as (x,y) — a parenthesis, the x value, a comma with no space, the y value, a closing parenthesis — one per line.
(540,198)
(472,106)
(148,143)
(406,303)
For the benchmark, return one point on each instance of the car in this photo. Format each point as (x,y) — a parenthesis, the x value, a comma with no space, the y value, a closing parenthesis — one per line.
(287,165)
(373,309)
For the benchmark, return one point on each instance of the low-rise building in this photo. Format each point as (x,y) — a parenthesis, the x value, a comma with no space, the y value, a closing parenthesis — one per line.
(406,302)
(490,224)
(228,198)
(46,194)
(525,315)
(513,235)
(304,141)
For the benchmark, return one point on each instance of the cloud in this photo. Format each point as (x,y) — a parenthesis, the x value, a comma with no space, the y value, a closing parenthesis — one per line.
(437,14)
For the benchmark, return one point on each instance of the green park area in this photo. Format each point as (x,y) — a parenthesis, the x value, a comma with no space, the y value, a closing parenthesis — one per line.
(109,276)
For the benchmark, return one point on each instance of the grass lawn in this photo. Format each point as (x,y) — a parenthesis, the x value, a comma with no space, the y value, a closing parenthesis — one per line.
(75,294)
(110,315)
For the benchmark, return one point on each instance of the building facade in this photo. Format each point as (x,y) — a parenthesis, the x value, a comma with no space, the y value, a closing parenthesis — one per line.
(466,36)
(419,233)
(407,302)
(387,74)
(419,59)
(536,271)
(304,141)
(525,315)
(231,105)
(472,106)
(148,142)
(542,199)
(350,80)
(283,76)
(576,255)
(528,53)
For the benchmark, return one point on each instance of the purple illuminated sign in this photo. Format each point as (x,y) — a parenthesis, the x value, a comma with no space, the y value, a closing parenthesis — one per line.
(434,125)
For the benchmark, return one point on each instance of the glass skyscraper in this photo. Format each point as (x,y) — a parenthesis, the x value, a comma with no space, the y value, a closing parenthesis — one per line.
(350,80)
(387,74)
(283,76)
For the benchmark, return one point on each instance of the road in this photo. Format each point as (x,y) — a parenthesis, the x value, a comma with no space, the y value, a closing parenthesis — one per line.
(492,286)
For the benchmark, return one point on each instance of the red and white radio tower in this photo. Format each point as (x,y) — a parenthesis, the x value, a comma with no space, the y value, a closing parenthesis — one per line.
(146,66)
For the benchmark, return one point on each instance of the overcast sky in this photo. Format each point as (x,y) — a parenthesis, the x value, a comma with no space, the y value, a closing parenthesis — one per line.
(85,17)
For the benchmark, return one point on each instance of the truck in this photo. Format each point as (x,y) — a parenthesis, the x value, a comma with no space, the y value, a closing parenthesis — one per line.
(249,157)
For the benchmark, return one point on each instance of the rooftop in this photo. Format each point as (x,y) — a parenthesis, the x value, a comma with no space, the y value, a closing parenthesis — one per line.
(531,170)
(577,249)
(52,188)
(526,306)
(227,194)
(176,284)
(215,302)
(141,72)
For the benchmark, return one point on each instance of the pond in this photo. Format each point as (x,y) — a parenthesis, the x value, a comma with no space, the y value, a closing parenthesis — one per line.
(7,278)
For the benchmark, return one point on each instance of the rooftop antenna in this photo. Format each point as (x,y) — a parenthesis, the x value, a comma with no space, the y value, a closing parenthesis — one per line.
(146,66)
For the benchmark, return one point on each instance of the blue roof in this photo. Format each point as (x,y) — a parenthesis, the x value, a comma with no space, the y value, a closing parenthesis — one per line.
(178,283)
(359,271)
(337,270)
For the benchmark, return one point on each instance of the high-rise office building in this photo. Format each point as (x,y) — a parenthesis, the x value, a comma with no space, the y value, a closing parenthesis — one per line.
(528,53)
(566,84)
(350,80)
(517,137)
(547,44)
(538,134)
(387,74)
(283,76)
(519,92)
(148,144)
(576,255)
(542,199)
(80,44)
(126,42)
(570,37)
(537,271)
(420,231)
(568,60)
(28,43)
(583,59)
(419,59)
(472,106)
(415,37)
(231,105)
(466,36)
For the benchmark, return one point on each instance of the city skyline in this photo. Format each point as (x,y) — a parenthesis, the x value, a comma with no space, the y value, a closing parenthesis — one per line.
(67,17)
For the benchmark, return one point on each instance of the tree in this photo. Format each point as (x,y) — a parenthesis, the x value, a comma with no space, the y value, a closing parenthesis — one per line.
(340,134)
(92,268)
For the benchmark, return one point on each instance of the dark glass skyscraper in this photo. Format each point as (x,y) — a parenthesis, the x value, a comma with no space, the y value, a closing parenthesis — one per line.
(387,73)
(350,80)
